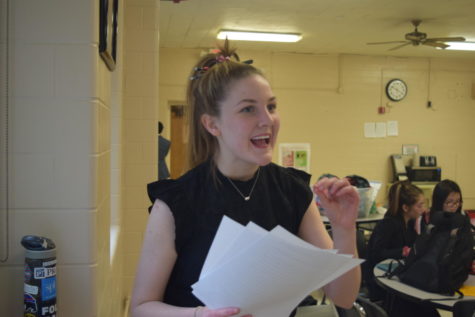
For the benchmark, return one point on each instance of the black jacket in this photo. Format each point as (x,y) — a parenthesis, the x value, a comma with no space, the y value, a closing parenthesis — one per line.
(389,237)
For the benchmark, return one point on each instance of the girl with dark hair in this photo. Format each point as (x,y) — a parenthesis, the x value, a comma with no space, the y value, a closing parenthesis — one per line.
(233,128)
(447,196)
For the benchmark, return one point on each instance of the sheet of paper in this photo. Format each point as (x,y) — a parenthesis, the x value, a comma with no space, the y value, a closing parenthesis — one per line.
(228,231)
(236,236)
(393,128)
(376,185)
(269,276)
(380,129)
(369,130)
(283,234)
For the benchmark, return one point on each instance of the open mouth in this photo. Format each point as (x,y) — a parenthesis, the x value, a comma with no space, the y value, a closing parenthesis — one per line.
(261,141)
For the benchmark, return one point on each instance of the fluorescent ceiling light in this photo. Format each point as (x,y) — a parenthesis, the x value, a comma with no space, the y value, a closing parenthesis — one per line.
(259,36)
(461,46)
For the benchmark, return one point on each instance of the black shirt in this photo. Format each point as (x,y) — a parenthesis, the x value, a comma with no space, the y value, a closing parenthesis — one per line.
(198,202)
(387,240)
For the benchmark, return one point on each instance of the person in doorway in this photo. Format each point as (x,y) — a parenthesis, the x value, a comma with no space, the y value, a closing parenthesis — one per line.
(163,148)
(392,238)
(233,129)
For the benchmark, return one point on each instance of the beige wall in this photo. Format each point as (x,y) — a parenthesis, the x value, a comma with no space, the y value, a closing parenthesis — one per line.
(326,99)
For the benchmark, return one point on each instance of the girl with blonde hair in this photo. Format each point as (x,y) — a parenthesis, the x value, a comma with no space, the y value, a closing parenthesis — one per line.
(233,130)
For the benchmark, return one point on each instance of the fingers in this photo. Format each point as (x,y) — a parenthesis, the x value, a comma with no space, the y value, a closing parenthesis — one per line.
(221,312)
(328,188)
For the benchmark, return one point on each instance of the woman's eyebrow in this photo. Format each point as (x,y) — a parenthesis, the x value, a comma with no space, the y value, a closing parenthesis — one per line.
(254,101)
(248,100)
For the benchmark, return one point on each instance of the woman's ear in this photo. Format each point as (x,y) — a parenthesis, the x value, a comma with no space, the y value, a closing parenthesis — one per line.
(405,208)
(209,123)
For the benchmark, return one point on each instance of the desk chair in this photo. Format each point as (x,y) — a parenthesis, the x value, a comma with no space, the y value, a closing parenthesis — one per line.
(361,243)
(363,307)
(362,247)
(370,308)
(325,310)
(464,308)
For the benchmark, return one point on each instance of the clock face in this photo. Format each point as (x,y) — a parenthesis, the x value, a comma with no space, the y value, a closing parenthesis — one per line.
(396,89)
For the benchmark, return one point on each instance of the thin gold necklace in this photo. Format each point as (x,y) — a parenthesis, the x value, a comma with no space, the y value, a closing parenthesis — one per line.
(246,198)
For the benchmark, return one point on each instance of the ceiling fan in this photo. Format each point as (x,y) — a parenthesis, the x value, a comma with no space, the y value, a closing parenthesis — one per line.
(417,38)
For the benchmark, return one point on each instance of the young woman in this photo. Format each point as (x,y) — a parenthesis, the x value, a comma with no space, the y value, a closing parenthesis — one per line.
(233,129)
(393,237)
(447,196)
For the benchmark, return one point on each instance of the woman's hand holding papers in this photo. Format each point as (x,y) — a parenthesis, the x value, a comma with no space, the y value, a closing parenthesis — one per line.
(340,201)
(221,312)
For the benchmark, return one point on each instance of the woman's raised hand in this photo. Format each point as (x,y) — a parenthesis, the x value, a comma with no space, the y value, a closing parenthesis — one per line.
(339,199)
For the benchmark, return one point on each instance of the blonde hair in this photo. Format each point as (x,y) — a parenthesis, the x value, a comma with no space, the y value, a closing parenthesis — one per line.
(402,193)
(209,81)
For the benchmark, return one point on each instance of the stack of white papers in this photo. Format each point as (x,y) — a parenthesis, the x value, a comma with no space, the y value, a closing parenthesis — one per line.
(265,273)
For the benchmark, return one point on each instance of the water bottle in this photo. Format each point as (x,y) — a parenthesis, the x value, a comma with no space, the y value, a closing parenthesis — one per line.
(40,277)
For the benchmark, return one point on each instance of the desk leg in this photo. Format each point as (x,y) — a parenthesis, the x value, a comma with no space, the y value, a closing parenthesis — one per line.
(389,303)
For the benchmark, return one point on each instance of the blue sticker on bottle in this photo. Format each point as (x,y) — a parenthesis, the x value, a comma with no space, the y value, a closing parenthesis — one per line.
(48,288)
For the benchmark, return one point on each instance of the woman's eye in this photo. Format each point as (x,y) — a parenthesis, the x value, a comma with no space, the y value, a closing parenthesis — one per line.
(272,107)
(247,109)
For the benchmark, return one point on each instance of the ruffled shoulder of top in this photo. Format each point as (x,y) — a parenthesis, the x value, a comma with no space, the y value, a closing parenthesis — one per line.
(172,192)
(299,175)
(167,190)
(177,194)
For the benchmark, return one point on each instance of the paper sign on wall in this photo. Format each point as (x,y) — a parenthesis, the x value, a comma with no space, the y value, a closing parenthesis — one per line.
(296,155)
(392,128)
(380,129)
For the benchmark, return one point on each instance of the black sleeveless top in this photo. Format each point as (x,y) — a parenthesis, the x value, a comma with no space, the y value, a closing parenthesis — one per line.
(280,197)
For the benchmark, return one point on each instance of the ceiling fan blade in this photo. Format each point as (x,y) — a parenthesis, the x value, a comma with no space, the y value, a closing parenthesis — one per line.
(447,39)
(435,44)
(399,46)
(390,42)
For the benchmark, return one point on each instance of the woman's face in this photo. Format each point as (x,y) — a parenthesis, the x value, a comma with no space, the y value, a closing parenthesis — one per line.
(417,209)
(248,124)
(452,202)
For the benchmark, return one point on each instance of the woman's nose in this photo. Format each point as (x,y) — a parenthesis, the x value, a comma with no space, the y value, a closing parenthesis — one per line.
(265,117)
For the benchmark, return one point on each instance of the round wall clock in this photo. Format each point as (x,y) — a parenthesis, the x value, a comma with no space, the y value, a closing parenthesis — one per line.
(396,89)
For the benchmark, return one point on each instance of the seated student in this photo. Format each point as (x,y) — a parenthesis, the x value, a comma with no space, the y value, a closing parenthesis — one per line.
(392,238)
(447,196)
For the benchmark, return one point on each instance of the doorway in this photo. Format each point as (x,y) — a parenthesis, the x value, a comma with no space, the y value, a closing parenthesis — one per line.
(179,140)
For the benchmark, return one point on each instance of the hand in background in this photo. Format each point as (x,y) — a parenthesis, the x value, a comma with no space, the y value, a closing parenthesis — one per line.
(417,224)
(339,199)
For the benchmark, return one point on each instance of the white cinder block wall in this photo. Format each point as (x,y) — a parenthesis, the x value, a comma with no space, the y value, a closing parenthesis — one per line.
(65,149)
(140,124)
